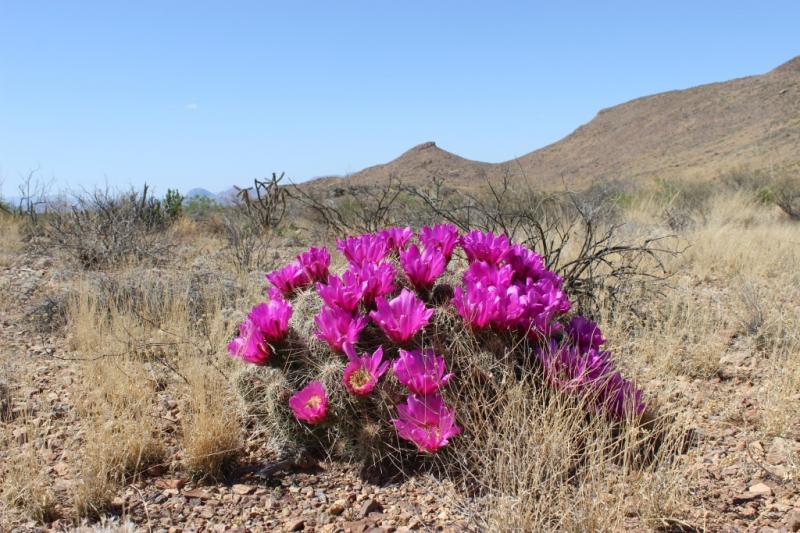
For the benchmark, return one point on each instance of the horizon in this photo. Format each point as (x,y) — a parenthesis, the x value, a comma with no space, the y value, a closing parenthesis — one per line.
(187,96)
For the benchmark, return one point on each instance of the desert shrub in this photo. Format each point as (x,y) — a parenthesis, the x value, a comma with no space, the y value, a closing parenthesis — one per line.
(201,208)
(415,346)
(786,195)
(248,246)
(105,229)
(173,204)
(263,204)
(579,236)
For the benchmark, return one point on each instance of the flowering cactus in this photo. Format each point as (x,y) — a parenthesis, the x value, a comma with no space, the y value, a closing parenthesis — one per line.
(426,421)
(443,237)
(250,346)
(315,263)
(506,295)
(337,326)
(289,278)
(344,293)
(367,248)
(378,280)
(310,404)
(362,373)
(396,238)
(423,269)
(480,246)
(421,371)
(402,317)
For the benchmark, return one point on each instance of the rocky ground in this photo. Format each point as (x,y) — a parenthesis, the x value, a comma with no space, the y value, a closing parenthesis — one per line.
(739,481)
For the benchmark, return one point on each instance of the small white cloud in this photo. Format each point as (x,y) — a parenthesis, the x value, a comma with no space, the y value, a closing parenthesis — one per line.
(192,107)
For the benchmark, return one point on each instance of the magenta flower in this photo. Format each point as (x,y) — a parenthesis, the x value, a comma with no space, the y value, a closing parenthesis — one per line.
(272,318)
(421,371)
(422,269)
(477,304)
(443,237)
(315,263)
(524,262)
(363,249)
(362,373)
(345,292)
(402,317)
(427,422)
(488,275)
(396,237)
(621,398)
(250,346)
(480,246)
(378,280)
(584,333)
(337,326)
(310,404)
(591,373)
(289,278)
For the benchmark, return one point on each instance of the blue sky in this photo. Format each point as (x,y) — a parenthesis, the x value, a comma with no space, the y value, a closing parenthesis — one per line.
(208,94)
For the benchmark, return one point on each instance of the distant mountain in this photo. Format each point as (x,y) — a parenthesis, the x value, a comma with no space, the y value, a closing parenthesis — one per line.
(690,134)
(199,192)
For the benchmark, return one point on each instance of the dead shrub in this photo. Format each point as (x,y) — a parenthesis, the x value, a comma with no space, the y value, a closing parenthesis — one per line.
(102,228)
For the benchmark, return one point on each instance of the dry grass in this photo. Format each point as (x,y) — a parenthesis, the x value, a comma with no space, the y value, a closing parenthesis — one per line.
(25,484)
(542,464)
(143,337)
(546,466)
(211,428)
(10,238)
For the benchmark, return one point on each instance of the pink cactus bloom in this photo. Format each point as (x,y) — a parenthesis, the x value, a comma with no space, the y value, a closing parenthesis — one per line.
(477,304)
(622,398)
(396,237)
(488,275)
(345,292)
(250,346)
(427,422)
(524,262)
(421,371)
(402,317)
(443,237)
(363,249)
(272,318)
(584,333)
(378,280)
(480,246)
(289,278)
(310,404)
(590,372)
(422,269)
(362,373)
(337,326)
(315,263)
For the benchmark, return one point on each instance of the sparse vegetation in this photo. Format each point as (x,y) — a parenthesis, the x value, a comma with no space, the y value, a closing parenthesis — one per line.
(713,342)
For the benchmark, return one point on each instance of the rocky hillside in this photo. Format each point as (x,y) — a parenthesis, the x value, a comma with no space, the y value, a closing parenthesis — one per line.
(694,134)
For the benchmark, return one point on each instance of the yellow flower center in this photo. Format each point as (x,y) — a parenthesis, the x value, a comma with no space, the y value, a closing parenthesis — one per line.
(313,402)
(359,378)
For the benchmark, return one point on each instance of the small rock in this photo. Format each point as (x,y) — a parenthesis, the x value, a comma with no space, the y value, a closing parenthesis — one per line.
(338,507)
(243,490)
(169,483)
(295,525)
(761,489)
(793,521)
(370,505)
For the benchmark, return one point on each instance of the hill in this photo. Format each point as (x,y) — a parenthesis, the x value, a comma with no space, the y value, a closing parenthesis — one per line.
(694,133)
